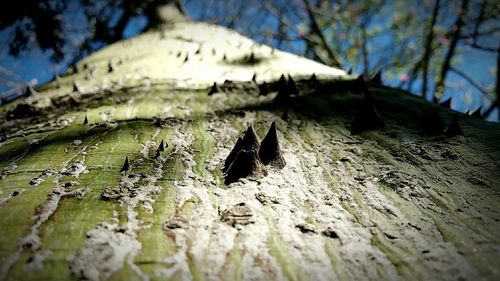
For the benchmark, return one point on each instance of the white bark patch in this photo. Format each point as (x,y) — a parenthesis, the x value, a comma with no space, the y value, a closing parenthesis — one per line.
(105,251)
(32,242)
(109,245)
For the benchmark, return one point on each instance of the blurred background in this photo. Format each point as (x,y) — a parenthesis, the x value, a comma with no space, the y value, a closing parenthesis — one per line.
(436,49)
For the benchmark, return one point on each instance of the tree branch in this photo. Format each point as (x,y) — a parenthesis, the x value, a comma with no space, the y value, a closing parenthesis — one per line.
(496,102)
(428,47)
(482,48)
(470,80)
(316,29)
(457,29)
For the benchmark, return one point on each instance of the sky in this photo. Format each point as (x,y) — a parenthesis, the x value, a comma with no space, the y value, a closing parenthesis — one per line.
(35,67)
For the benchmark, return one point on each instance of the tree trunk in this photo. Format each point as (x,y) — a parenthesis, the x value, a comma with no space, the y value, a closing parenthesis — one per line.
(383,205)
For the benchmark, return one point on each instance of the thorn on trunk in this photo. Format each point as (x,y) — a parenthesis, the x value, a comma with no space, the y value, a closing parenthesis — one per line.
(454,129)
(232,155)
(179,53)
(214,89)
(367,117)
(187,58)
(377,78)
(433,125)
(476,113)
(446,103)
(360,84)
(250,140)
(85,120)
(246,164)
(313,79)
(264,89)
(75,87)
(254,77)
(270,151)
(126,165)
(292,87)
(162,146)
(282,82)
(111,67)
(349,71)
(281,98)
(31,91)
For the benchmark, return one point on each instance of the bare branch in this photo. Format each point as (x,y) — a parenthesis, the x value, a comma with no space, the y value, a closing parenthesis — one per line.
(470,80)
(457,29)
(316,29)
(428,47)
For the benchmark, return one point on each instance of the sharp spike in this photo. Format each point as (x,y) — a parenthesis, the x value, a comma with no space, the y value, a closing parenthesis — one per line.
(31,91)
(282,82)
(282,98)
(292,87)
(264,89)
(433,125)
(367,117)
(476,113)
(162,146)
(214,89)
(454,129)
(254,77)
(377,78)
(232,155)
(85,120)
(246,164)
(75,87)
(446,103)
(126,165)
(313,79)
(360,84)
(250,140)
(111,67)
(270,151)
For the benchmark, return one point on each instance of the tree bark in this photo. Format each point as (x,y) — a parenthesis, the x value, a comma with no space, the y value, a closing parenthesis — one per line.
(389,204)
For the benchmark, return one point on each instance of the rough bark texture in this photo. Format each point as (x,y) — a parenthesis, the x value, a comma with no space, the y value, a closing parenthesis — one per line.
(392,204)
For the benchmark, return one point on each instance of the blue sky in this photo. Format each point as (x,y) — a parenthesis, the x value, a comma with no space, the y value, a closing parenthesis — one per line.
(36,65)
